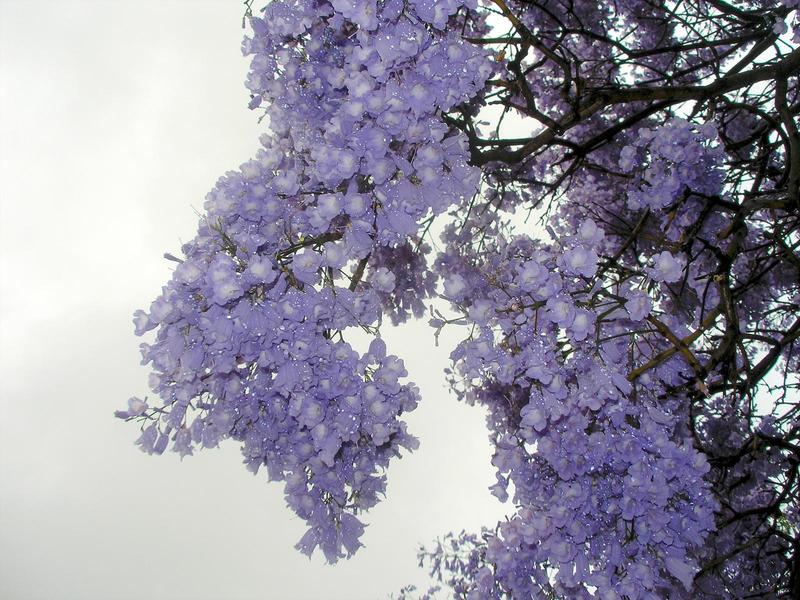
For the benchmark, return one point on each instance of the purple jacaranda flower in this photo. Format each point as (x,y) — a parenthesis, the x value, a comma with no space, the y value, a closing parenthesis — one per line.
(667,267)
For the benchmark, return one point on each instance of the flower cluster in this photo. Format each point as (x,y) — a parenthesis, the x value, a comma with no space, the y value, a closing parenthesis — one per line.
(308,240)
(610,493)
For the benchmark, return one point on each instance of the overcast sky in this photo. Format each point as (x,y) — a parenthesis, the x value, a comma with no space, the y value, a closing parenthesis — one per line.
(116,118)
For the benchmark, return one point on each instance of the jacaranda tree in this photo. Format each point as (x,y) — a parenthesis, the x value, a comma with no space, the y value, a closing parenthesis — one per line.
(635,340)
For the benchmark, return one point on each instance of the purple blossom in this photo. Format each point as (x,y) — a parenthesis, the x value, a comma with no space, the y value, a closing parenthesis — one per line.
(667,267)
(383,279)
(455,287)
(638,304)
(581,261)
(305,265)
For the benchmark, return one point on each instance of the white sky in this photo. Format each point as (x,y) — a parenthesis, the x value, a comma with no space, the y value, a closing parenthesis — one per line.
(116,118)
